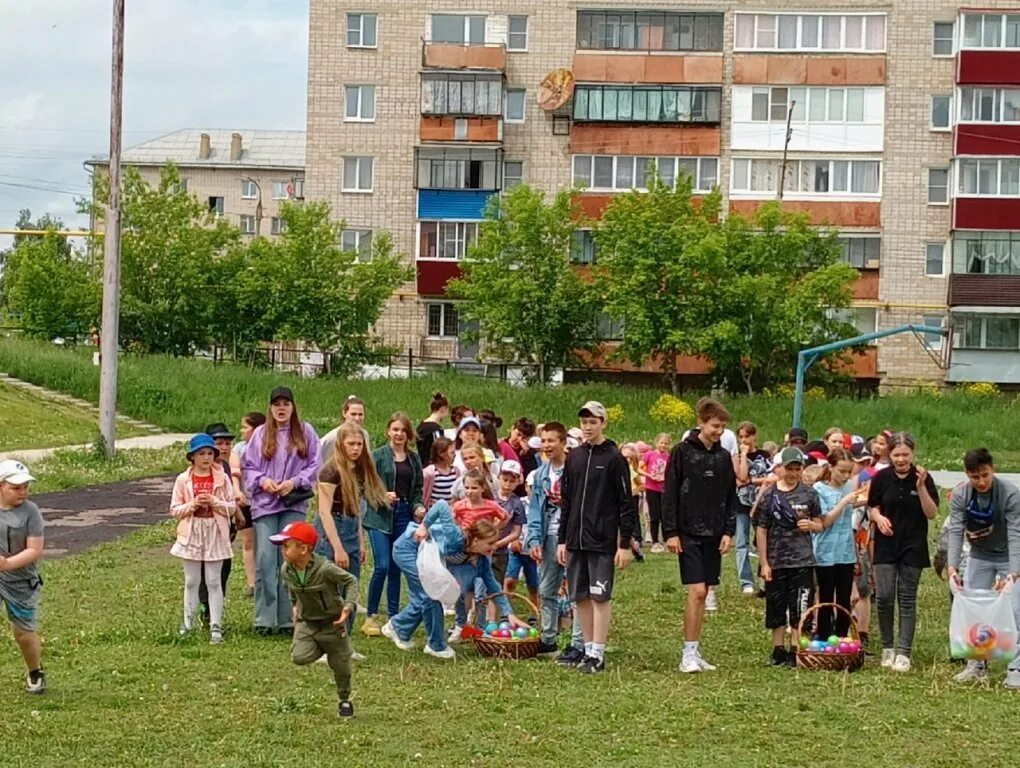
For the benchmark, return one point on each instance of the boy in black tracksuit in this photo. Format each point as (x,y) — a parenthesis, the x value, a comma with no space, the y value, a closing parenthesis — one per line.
(699,513)
(596,524)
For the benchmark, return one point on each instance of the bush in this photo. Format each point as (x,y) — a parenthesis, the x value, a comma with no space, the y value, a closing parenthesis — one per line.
(981,390)
(614,414)
(673,411)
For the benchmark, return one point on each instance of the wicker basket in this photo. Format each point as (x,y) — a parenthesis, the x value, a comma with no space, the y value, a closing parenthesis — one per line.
(829,662)
(512,648)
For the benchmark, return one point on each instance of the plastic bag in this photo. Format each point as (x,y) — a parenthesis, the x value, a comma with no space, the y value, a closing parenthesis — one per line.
(981,626)
(438,582)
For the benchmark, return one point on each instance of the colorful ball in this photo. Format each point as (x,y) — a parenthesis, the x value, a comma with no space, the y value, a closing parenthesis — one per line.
(533,632)
(855,646)
(833,640)
(504,625)
(804,643)
(491,626)
(982,638)
(521,632)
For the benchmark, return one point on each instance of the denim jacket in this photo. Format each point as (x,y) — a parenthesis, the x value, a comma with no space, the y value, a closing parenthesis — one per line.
(538,508)
(444,529)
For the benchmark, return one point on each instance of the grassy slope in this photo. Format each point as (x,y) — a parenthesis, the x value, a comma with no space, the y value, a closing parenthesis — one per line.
(77,469)
(124,691)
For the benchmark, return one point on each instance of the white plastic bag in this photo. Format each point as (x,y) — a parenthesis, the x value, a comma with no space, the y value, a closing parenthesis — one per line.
(438,582)
(981,626)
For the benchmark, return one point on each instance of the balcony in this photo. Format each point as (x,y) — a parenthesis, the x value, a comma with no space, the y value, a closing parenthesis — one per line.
(780,69)
(989,139)
(439,168)
(659,105)
(988,67)
(647,68)
(431,276)
(988,213)
(487,56)
(972,290)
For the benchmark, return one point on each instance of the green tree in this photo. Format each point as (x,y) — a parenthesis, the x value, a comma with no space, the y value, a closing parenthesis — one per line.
(783,282)
(660,261)
(531,304)
(304,287)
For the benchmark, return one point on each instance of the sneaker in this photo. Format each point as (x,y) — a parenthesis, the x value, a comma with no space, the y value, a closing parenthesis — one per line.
(387,630)
(448,610)
(689,664)
(888,657)
(370,628)
(323,659)
(657,549)
(355,656)
(570,657)
(591,666)
(456,636)
(547,650)
(703,665)
(972,673)
(215,634)
(1012,680)
(711,601)
(779,656)
(38,685)
(747,590)
(346,709)
(791,659)
(446,653)
(184,630)
(901,664)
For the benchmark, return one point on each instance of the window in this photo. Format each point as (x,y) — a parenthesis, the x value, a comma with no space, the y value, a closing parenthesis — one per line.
(934,259)
(442,320)
(513,173)
(216,205)
(608,328)
(990,105)
(814,32)
(249,189)
(358,174)
(807,177)
(864,319)
(446,239)
(986,253)
(996,332)
(812,105)
(647,104)
(361,30)
(941,112)
(517,34)
(861,251)
(938,186)
(625,172)
(514,105)
(247,225)
(461,94)
(933,340)
(277,226)
(582,249)
(457,29)
(989,177)
(360,102)
(281,190)
(358,241)
(649,31)
(991,30)
(457,169)
(942,39)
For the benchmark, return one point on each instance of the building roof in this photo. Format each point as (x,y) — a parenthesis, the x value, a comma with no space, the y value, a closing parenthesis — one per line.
(259,149)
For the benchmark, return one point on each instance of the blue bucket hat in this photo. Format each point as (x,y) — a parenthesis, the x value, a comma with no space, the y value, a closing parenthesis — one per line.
(199,442)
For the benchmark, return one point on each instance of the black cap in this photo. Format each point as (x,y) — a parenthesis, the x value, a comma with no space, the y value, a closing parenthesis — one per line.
(860,452)
(219,429)
(281,393)
(797,433)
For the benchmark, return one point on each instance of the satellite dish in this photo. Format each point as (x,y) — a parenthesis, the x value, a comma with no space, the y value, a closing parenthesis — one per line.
(555,89)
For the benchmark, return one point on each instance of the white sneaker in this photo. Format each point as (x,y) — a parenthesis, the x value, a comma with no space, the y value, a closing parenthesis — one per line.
(1012,680)
(703,665)
(973,672)
(657,549)
(747,590)
(711,602)
(901,664)
(322,660)
(448,610)
(446,653)
(388,631)
(690,664)
(355,656)
(456,636)
(888,657)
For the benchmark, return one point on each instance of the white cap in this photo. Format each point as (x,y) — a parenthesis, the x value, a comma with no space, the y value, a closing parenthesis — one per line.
(511,467)
(14,472)
(535,443)
(576,433)
(572,443)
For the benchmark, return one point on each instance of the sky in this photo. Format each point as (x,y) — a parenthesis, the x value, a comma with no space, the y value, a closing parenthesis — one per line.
(187,64)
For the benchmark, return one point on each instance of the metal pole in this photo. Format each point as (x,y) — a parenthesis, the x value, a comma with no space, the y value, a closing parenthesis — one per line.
(111,251)
(786,147)
(798,396)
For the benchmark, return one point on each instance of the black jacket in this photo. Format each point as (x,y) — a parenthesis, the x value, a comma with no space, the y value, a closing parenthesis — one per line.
(597,514)
(700,497)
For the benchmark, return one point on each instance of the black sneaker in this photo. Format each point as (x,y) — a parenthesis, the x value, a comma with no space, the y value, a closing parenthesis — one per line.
(779,657)
(591,666)
(35,682)
(570,657)
(346,709)
(547,650)
(791,659)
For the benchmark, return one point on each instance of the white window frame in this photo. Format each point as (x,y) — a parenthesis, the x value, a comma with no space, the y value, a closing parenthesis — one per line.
(509,34)
(983,318)
(524,106)
(361,31)
(699,186)
(962,174)
(857,237)
(998,45)
(936,40)
(280,190)
(577,243)
(506,176)
(802,96)
(444,308)
(466,16)
(246,223)
(359,116)
(277,225)
(358,161)
(949,113)
(949,185)
(799,45)
(972,95)
(455,232)
(795,170)
(357,240)
(854,314)
(942,268)
(249,190)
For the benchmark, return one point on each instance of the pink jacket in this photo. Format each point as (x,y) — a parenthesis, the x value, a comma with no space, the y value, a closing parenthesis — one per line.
(429,482)
(182,502)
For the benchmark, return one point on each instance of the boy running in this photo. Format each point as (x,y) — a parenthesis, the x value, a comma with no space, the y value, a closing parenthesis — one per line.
(597,522)
(699,518)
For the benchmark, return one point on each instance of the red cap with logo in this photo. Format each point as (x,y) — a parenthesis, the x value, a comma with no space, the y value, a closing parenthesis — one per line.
(302,532)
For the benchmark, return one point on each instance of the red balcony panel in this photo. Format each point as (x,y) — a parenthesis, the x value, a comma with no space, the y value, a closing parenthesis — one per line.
(987,139)
(986,213)
(665,140)
(865,364)
(433,275)
(645,68)
(866,285)
(593,204)
(988,68)
(779,69)
(822,212)
(984,290)
(487,129)
(452,56)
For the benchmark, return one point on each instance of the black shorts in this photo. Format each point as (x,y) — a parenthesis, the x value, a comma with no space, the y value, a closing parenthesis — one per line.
(700,559)
(499,560)
(787,596)
(590,575)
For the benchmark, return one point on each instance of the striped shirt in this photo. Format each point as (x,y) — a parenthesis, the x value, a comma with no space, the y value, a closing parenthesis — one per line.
(442,487)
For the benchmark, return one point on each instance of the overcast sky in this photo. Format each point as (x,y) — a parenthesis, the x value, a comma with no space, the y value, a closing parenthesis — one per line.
(188,64)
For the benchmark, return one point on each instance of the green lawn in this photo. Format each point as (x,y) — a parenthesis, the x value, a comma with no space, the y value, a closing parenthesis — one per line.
(125,691)
(81,468)
(30,421)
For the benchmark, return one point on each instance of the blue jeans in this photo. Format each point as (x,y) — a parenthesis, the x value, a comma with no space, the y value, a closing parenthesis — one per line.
(272,603)
(550,576)
(743,547)
(522,562)
(347,528)
(383,564)
(420,607)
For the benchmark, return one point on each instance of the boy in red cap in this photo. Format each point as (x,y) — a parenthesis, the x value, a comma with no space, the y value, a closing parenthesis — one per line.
(321,593)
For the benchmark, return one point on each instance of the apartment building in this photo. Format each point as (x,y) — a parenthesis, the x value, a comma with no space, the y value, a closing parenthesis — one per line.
(899,136)
(243,175)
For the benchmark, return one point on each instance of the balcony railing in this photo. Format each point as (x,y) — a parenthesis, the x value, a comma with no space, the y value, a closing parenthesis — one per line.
(471,169)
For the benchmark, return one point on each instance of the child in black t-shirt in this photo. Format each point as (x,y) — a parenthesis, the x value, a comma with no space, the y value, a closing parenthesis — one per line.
(788,513)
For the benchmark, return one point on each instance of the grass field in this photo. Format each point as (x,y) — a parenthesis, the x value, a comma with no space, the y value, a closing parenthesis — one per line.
(30,421)
(125,691)
(185,395)
(82,468)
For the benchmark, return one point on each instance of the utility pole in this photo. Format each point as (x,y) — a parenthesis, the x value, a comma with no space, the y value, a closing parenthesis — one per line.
(111,252)
(786,148)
